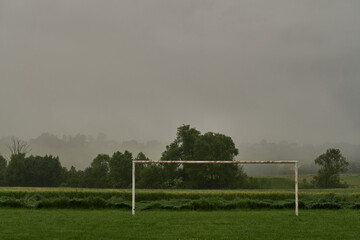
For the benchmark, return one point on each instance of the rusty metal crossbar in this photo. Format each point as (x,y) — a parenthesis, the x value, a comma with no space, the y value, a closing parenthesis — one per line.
(219,161)
(215,161)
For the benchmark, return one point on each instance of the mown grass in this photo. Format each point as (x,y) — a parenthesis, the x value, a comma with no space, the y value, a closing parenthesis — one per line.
(238,224)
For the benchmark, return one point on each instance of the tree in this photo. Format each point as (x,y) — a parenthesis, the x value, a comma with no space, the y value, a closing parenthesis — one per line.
(34,171)
(331,163)
(151,176)
(148,175)
(18,146)
(73,178)
(97,175)
(141,156)
(214,146)
(3,164)
(182,148)
(190,144)
(15,174)
(120,169)
(44,171)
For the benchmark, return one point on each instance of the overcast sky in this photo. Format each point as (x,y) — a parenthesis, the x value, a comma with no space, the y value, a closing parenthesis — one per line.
(275,70)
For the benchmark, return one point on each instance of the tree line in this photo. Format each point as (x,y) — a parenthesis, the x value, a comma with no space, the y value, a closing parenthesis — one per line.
(114,171)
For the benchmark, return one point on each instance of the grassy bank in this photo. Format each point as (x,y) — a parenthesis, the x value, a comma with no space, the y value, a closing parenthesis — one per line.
(177,199)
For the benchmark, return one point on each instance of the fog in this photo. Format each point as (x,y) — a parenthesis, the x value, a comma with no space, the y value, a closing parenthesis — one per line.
(253,70)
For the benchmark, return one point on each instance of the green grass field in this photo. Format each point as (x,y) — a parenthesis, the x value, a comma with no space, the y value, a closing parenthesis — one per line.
(66,213)
(119,224)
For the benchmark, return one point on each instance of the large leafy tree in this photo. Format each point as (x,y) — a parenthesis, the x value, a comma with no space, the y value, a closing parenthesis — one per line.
(331,163)
(182,148)
(214,146)
(190,144)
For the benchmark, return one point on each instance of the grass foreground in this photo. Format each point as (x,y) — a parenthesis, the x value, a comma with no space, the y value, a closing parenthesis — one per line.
(160,224)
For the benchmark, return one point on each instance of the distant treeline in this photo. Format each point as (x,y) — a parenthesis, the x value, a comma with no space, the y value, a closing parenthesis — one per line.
(115,172)
(79,150)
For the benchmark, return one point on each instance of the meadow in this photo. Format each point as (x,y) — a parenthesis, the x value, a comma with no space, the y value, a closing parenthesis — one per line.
(119,224)
(78,213)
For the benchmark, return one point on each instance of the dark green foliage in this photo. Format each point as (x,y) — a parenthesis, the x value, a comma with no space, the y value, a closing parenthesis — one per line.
(151,176)
(96,176)
(120,169)
(189,144)
(6,201)
(15,174)
(63,202)
(105,172)
(3,165)
(141,156)
(175,199)
(332,163)
(211,146)
(45,171)
(34,171)
(182,148)
(73,178)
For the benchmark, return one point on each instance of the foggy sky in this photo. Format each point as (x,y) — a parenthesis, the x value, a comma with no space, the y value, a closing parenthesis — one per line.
(276,70)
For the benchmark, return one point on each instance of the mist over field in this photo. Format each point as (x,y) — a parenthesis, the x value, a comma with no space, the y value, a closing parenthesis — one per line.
(284,71)
(80,150)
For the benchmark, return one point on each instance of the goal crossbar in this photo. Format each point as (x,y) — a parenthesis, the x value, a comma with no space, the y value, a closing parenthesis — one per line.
(211,161)
(214,162)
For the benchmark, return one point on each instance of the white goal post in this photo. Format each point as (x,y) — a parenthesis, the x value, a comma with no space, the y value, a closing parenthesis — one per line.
(218,162)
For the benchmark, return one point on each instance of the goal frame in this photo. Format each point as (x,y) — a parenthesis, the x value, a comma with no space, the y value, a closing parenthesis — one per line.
(218,162)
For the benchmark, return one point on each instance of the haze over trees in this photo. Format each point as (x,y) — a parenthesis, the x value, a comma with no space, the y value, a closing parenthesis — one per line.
(114,170)
(331,163)
(79,151)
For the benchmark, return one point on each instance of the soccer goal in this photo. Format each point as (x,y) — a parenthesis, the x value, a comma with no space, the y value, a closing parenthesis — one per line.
(218,162)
